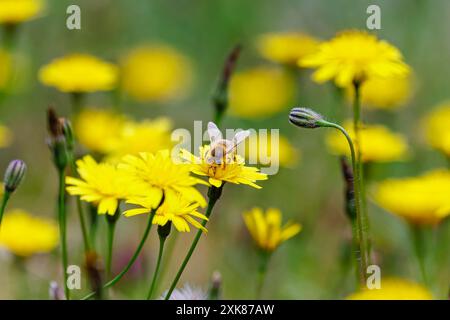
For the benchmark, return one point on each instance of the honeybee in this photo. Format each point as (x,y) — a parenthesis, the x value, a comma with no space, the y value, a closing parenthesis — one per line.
(223,151)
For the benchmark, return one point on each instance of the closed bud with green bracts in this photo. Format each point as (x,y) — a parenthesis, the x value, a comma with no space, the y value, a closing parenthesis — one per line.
(68,133)
(57,140)
(305,118)
(14,175)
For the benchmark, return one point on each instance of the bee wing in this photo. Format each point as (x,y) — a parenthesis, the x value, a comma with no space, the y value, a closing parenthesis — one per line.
(238,138)
(214,132)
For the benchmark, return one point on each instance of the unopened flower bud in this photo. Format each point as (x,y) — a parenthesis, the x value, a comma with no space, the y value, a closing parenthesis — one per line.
(305,118)
(57,141)
(14,174)
(68,133)
(55,292)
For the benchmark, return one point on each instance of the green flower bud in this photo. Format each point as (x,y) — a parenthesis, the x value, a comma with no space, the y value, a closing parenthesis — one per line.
(14,174)
(305,118)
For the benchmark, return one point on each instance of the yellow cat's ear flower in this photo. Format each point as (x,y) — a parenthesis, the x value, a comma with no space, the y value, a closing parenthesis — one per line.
(355,56)
(144,136)
(394,289)
(24,235)
(379,144)
(259,149)
(78,73)
(422,200)
(175,208)
(156,73)
(99,130)
(156,173)
(260,92)
(17,11)
(100,183)
(266,230)
(5,137)
(438,129)
(233,171)
(286,47)
(383,93)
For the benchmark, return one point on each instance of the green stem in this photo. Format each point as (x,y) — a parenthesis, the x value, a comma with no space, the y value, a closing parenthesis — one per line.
(133,258)
(214,195)
(169,248)
(363,263)
(418,239)
(111,229)
(162,240)
(86,240)
(77,102)
(5,199)
(62,229)
(359,168)
(262,271)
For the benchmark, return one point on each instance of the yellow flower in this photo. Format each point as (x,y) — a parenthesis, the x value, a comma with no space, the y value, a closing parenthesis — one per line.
(101,183)
(79,73)
(175,208)
(355,56)
(5,69)
(99,130)
(261,149)
(25,235)
(394,289)
(266,230)
(234,171)
(5,137)
(156,173)
(379,144)
(16,11)
(156,72)
(260,92)
(383,93)
(422,200)
(286,47)
(438,129)
(145,136)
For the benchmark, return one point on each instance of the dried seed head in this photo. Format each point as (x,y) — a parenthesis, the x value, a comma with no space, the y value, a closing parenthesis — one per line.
(14,174)
(305,118)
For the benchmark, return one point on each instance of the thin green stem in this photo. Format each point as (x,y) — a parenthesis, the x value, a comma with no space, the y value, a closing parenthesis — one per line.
(133,258)
(360,230)
(111,229)
(262,271)
(162,240)
(214,195)
(418,239)
(168,253)
(359,168)
(5,199)
(62,216)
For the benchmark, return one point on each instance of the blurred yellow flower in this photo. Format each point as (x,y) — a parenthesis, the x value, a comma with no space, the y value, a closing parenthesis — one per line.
(99,130)
(260,149)
(145,136)
(156,173)
(233,171)
(79,73)
(101,183)
(175,208)
(266,230)
(422,200)
(286,47)
(394,289)
(260,92)
(5,137)
(437,126)
(379,144)
(16,11)
(383,93)
(5,68)
(25,235)
(355,55)
(156,72)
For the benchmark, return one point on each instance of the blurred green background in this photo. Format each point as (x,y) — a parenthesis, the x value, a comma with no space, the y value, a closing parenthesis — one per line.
(310,265)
